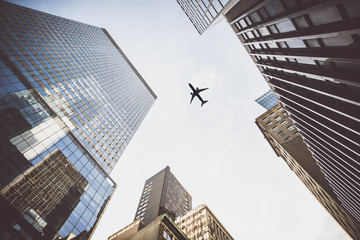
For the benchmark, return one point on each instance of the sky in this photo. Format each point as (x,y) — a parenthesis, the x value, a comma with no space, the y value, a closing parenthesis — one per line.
(216,151)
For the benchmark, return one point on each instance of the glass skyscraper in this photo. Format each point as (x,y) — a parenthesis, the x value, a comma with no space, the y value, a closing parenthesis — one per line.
(268,100)
(70,102)
(204,13)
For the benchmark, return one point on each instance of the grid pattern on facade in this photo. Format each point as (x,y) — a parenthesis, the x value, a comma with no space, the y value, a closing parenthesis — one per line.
(163,193)
(201,223)
(202,13)
(308,53)
(268,100)
(82,76)
(303,164)
(65,87)
(42,188)
(34,136)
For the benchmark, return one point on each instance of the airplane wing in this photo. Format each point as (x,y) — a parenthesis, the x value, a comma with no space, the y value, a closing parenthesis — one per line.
(200,90)
(192,98)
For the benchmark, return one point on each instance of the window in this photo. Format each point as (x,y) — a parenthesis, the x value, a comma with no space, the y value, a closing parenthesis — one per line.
(284,122)
(255,17)
(269,123)
(296,133)
(273,29)
(306,60)
(281,133)
(339,41)
(278,118)
(313,43)
(288,139)
(321,16)
(301,22)
(265,119)
(285,26)
(243,23)
(275,128)
(290,128)
(263,13)
(295,43)
(263,31)
(166,235)
(273,114)
(274,7)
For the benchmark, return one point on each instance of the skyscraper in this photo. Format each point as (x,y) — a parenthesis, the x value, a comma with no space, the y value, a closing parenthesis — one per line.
(163,193)
(308,53)
(201,223)
(267,100)
(70,102)
(203,14)
(284,138)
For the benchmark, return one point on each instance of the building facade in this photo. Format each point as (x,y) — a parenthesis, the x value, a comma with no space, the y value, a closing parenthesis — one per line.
(283,136)
(308,52)
(70,102)
(163,193)
(205,13)
(267,100)
(162,228)
(201,223)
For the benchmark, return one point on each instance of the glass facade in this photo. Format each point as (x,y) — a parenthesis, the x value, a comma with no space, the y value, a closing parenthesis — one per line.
(70,102)
(204,12)
(268,100)
(308,52)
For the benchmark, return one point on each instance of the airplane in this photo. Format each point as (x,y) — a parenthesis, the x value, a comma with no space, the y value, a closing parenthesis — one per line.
(196,93)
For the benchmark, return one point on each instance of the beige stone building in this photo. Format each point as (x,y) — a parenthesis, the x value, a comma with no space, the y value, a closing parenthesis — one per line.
(283,136)
(201,223)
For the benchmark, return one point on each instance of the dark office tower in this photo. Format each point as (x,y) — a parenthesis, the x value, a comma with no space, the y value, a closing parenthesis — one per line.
(308,52)
(268,100)
(204,13)
(284,138)
(70,101)
(163,193)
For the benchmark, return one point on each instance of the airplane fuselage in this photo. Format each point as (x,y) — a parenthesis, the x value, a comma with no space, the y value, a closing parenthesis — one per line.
(196,92)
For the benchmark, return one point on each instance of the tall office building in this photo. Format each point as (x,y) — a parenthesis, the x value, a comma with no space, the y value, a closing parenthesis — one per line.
(203,14)
(70,102)
(163,193)
(201,224)
(308,52)
(284,138)
(267,100)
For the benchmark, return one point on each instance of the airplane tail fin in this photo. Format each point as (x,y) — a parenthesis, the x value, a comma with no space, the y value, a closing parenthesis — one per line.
(204,102)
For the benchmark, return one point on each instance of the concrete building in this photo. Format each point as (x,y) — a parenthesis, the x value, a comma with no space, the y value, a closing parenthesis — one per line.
(308,52)
(283,136)
(163,193)
(70,102)
(201,223)
(162,228)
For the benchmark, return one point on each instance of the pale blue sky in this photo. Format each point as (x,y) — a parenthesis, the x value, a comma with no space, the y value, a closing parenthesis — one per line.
(216,152)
